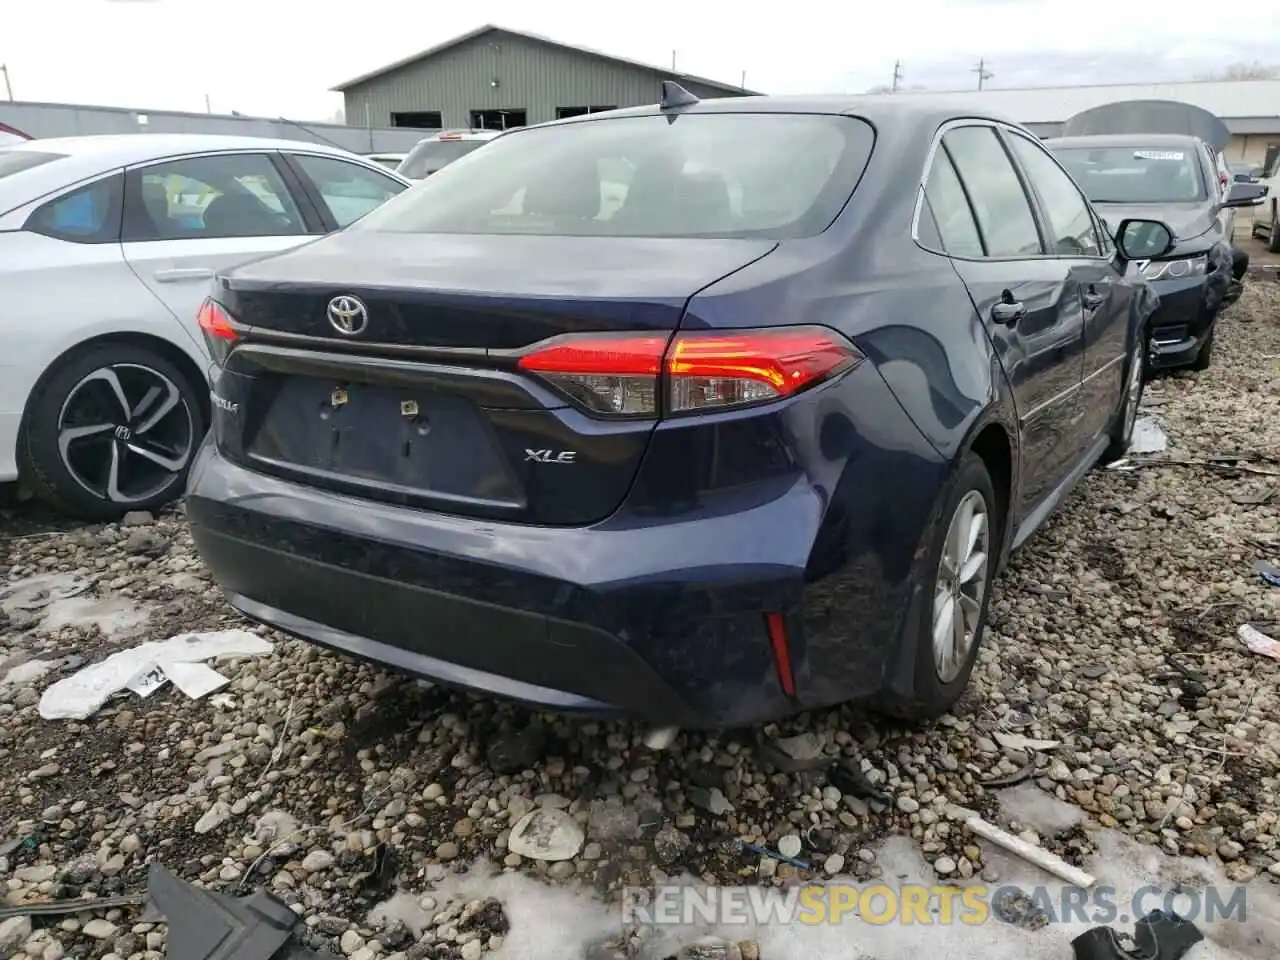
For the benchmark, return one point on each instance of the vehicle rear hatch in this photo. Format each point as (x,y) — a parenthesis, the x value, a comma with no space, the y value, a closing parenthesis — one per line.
(1149,116)
(425,405)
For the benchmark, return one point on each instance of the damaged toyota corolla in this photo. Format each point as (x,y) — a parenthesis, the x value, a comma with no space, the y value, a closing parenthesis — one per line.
(705,412)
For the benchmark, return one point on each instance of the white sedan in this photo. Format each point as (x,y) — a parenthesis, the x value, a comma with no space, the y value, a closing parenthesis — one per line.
(107,247)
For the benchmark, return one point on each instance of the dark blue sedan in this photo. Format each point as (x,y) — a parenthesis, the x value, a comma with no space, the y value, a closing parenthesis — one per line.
(705,412)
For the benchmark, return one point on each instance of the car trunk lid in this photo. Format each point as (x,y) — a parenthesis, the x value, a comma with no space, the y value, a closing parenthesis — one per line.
(419,399)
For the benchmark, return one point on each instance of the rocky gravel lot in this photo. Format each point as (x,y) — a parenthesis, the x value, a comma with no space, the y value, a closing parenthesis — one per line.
(1112,643)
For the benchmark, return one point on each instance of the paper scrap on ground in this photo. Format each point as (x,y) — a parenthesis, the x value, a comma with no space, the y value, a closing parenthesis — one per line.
(138,669)
(1148,437)
(1258,642)
(196,680)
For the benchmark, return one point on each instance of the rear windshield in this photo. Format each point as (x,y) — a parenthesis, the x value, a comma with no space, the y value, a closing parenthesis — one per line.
(15,161)
(697,175)
(430,156)
(1135,174)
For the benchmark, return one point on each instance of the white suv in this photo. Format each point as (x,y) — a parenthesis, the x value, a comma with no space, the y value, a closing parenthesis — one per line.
(1266,217)
(431,153)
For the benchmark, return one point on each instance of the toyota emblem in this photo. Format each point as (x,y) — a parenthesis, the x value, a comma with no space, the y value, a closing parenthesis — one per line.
(348,315)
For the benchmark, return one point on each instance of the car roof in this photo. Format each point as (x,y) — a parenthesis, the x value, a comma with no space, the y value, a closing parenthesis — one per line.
(81,158)
(1102,141)
(127,148)
(885,109)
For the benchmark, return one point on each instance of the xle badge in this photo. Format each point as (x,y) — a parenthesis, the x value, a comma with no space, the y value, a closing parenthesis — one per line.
(546,456)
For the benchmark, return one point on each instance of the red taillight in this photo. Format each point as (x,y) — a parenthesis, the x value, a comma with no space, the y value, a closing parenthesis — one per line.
(219,332)
(620,374)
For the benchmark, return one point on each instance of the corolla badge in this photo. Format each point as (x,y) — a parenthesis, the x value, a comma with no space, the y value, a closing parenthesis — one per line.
(348,315)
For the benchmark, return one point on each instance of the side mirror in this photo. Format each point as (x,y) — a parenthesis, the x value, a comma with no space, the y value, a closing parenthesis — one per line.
(1245,195)
(1143,239)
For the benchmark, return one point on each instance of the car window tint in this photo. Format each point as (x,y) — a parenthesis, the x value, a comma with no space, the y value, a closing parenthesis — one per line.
(90,214)
(706,175)
(1064,205)
(951,210)
(999,202)
(348,189)
(229,195)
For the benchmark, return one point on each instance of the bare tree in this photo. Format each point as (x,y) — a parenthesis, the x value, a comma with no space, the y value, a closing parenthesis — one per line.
(1245,71)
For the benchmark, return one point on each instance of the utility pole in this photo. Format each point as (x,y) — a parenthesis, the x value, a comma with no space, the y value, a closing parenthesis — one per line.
(673,61)
(981,71)
(208,107)
(743,85)
(8,87)
(897,76)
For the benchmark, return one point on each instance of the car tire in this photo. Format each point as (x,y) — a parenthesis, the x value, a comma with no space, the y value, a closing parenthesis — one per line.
(111,428)
(1135,379)
(1205,357)
(1273,241)
(938,681)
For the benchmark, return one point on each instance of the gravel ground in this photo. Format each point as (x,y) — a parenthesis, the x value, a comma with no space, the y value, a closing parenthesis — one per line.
(336,784)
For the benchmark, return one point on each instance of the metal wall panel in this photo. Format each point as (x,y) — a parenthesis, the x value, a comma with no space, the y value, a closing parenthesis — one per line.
(71,120)
(499,71)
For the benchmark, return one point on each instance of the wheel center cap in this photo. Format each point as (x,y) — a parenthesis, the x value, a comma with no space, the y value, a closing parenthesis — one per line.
(124,433)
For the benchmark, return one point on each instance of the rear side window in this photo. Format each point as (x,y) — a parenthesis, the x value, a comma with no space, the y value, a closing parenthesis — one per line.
(90,214)
(1064,205)
(15,161)
(347,189)
(951,210)
(696,175)
(999,202)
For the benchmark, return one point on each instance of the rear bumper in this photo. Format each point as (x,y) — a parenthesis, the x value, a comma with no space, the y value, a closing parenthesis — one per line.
(647,621)
(657,612)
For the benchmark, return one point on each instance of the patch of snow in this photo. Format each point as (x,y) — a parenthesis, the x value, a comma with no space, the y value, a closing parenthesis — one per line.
(1148,437)
(1041,811)
(549,923)
(61,598)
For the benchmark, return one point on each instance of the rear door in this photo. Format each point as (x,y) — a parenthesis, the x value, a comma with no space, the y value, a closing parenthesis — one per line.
(187,218)
(1028,299)
(1074,238)
(343,191)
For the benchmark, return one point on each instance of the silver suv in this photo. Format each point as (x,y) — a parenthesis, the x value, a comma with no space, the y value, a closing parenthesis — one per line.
(431,153)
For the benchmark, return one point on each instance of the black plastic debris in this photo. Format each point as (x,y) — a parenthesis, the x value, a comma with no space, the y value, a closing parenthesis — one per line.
(1268,572)
(1157,936)
(204,925)
(849,780)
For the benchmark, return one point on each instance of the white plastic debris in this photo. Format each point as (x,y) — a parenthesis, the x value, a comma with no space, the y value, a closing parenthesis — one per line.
(1148,437)
(1258,642)
(144,668)
(546,834)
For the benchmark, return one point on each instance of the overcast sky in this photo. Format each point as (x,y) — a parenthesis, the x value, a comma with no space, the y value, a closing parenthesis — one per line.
(279,57)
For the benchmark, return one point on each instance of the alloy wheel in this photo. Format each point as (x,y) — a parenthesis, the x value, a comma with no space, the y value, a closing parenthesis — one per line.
(961,585)
(125,432)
